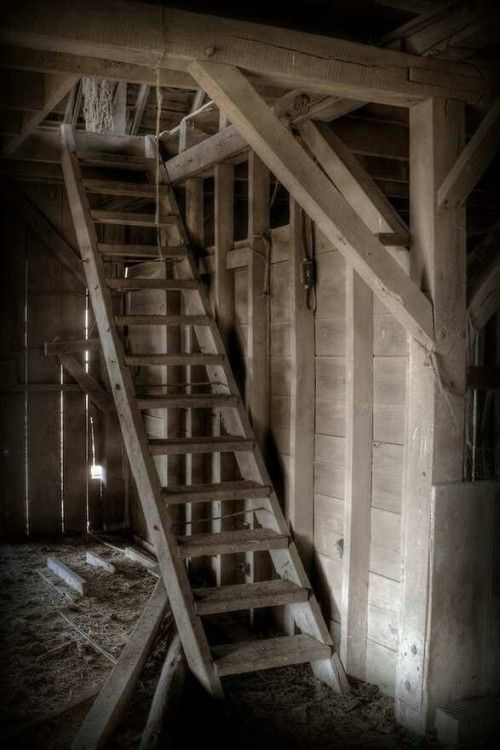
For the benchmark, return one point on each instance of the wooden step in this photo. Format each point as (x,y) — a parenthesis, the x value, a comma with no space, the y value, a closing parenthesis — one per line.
(162,320)
(210,601)
(251,656)
(231,542)
(202,493)
(142,251)
(115,161)
(145,190)
(229,443)
(187,401)
(174,360)
(131,218)
(127,284)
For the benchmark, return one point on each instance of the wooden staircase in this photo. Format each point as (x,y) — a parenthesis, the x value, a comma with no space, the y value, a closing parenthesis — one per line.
(290,588)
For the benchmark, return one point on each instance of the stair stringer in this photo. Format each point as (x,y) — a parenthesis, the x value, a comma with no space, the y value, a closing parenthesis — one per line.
(287,563)
(172,568)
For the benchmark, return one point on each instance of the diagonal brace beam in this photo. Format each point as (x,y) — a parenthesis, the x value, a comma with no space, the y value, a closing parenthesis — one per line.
(312,189)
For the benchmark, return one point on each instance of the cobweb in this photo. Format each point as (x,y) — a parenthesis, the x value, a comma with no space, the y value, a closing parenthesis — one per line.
(97,105)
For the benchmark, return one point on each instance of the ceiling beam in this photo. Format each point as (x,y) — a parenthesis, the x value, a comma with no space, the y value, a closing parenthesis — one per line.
(321,200)
(56,86)
(472,162)
(46,61)
(149,35)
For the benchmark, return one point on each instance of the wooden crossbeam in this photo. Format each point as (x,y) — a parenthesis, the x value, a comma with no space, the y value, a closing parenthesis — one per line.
(473,161)
(281,57)
(47,61)
(89,385)
(310,187)
(56,86)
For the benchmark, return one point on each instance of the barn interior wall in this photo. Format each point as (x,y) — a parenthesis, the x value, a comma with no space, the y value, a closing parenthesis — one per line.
(51,433)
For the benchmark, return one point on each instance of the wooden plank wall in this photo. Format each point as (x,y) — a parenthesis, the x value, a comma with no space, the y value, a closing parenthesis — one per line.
(46,485)
(390,350)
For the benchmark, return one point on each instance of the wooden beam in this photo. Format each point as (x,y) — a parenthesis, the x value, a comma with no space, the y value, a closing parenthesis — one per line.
(358,474)
(484,293)
(302,396)
(167,696)
(109,705)
(56,86)
(257,390)
(89,385)
(140,106)
(472,162)
(67,575)
(46,61)
(435,403)
(200,158)
(351,178)
(318,197)
(483,378)
(41,226)
(149,35)
(224,313)
(257,393)
(329,108)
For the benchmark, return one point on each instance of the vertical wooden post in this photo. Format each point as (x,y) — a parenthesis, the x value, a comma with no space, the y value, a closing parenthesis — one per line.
(224,312)
(120,109)
(195,424)
(435,396)
(257,390)
(302,398)
(358,473)
(257,376)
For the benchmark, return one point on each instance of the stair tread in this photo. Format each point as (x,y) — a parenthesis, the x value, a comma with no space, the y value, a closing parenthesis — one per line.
(174,359)
(248,595)
(132,283)
(163,320)
(228,443)
(228,542)
(142,251)
(203,492)
(250,656)
(117,161)
(188,401)
(121,188)
(131,218)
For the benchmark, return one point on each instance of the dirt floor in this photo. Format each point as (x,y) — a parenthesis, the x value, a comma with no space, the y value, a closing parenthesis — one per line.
(46,663)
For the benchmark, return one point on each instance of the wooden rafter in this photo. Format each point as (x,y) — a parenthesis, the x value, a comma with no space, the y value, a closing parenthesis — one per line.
(56,86)
(318,197)
(290,59)
(473,161)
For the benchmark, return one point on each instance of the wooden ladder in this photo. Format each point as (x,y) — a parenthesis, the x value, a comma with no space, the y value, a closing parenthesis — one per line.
(291,587)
